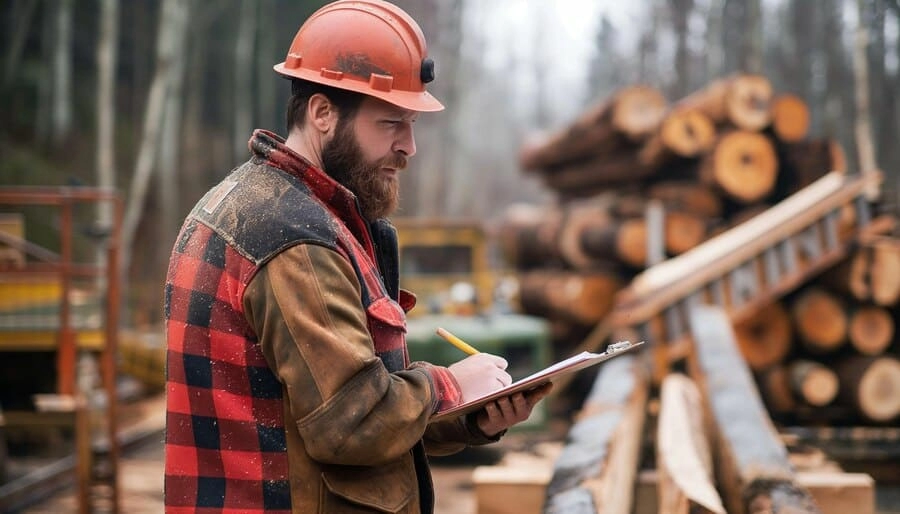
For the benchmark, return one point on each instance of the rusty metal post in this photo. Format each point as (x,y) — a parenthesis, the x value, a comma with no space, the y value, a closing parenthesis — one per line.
(65,351)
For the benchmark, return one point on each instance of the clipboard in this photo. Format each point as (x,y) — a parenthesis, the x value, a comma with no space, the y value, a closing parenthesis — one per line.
(572,364)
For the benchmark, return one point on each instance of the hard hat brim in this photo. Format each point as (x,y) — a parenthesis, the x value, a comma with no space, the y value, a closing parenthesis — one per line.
(419,101)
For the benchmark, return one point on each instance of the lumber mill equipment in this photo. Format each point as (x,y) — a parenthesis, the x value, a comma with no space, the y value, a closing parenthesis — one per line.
(59,310)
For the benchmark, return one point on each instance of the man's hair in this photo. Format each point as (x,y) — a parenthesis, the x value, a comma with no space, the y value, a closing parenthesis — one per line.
(346,102)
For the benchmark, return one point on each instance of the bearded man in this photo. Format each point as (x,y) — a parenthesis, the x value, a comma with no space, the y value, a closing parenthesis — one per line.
(289,386)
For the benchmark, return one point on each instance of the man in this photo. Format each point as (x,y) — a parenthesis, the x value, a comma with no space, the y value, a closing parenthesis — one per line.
(289,385)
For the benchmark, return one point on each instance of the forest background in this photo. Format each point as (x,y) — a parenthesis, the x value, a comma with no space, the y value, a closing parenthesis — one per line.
(157,98)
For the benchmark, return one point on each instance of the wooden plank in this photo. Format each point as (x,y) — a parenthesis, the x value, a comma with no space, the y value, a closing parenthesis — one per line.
(755,474)
(683,455)
(838,492)
(596,470)
(669,281)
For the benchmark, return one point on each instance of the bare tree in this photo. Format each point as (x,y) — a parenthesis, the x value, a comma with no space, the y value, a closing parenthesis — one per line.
(170,40)
(863,117)
(243,79)
(107,46)
(22,15)
(680,11)
(61,123)
(170,212)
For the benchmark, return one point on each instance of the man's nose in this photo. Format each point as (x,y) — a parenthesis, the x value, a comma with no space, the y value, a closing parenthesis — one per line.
(406,141)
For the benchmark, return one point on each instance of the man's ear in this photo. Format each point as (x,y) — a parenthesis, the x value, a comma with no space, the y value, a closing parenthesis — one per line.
(321,113)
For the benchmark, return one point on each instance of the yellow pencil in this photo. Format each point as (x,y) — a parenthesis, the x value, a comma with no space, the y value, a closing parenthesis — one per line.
(457,342)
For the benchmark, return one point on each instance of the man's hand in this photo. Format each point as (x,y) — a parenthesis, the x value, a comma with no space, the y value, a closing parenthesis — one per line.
(503,413)
(480,374)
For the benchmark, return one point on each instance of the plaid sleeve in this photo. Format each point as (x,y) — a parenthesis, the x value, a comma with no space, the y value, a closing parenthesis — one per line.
(447,393)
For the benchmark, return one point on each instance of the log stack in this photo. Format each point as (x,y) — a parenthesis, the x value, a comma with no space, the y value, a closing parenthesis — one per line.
(826,352)
(708,161)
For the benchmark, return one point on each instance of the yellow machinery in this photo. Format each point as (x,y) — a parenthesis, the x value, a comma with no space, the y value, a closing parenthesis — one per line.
(447,264)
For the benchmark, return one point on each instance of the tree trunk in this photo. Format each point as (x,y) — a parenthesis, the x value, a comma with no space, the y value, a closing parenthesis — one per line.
(107,52)
(804,162)
(623,240)
(169,191)
(61,124)
(755,474)
(631,115)
(528,234)
(172,24)
(243,79)
(687,196)
(583,298)
(863,127)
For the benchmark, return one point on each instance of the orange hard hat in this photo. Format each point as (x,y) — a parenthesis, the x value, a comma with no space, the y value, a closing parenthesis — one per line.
(368,46)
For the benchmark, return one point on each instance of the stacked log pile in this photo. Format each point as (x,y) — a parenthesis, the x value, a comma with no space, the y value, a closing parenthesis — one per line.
(707,162)
(710,160)
(828,352)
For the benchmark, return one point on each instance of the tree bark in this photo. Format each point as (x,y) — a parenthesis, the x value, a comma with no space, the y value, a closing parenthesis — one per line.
(583,298)
(631,115)
(107,52)
(755,474)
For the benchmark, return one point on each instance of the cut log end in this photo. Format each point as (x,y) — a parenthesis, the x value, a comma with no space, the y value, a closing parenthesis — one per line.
(816,384)
(820,320)
(683,231)
(871,330)
(879,390)
(638,111)
(687,132)
(744,165)
(749,101)
(765,339)
(790,118)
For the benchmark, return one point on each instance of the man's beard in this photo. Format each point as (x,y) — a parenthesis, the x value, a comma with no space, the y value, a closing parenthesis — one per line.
(343,160)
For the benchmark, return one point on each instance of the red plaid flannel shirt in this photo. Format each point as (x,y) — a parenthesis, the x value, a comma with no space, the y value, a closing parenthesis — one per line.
(225,439)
